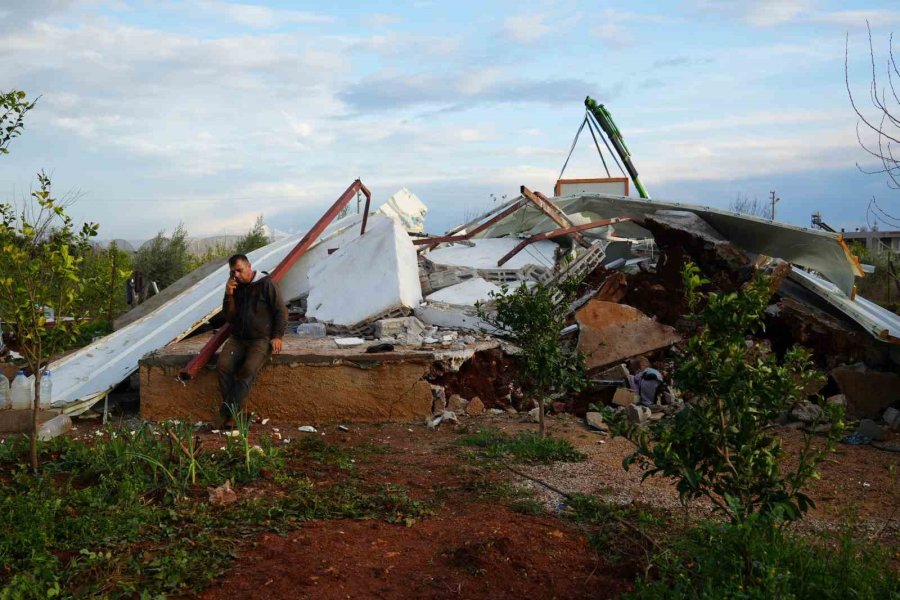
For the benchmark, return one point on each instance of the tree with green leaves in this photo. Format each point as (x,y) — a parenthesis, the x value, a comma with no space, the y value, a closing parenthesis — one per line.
(40,259)
(13,107)
(255,238)
(164,260)
(532,319)
(104,272)
(722,445)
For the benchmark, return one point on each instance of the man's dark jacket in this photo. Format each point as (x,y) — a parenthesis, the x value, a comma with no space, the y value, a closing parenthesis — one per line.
(257,310)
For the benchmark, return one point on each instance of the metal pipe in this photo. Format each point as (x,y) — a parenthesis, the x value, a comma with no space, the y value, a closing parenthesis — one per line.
(206,353)
(434,241)
(556,233)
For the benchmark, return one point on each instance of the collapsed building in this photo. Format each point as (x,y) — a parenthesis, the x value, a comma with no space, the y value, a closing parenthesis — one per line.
(385,324)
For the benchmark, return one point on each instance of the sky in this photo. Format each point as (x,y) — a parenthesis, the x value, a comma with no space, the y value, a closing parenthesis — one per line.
(211,113)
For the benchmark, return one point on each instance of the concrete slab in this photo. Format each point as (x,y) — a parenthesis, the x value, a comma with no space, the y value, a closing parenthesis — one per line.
(370,276)
(611,333)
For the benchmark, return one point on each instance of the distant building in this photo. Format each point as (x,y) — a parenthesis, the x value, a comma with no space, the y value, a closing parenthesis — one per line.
(875,241)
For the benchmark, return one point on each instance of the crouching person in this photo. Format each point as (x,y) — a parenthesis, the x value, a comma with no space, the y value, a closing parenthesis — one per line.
(258,317)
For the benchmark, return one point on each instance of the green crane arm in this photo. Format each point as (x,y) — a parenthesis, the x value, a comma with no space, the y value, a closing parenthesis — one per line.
(604,120)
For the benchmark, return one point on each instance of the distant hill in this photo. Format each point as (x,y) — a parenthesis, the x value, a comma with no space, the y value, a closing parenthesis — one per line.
(196,245)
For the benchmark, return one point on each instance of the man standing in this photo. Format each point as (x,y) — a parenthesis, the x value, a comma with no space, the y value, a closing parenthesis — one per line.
(258,318)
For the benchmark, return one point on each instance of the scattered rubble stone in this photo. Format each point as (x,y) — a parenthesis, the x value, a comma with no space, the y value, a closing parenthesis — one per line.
(595,421)
(438,398)
(534,415)
(624,397)
(614,373)
(837,400)
(872,430)
(869,392)
(891,416)
(449,416)
(222,494)
(457,403)
(806,412)
(497,411)
(637,414)
(398,327)
(475,407)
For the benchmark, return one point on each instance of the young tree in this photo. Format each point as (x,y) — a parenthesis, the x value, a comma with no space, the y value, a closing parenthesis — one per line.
(255,238)
(532,319)
(104,272)
(13,107)
(40,257)
(722,445)
(164,260)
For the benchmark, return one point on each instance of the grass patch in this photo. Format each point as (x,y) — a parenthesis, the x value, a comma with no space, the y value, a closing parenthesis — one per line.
(525,446)
(528,506)
(709,562)
(128,515)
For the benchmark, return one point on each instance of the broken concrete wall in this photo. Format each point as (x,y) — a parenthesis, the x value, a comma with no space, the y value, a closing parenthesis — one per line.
(372,276)
(296,391)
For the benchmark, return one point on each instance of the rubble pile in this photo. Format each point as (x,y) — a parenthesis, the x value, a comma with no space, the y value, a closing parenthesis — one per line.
(375,289)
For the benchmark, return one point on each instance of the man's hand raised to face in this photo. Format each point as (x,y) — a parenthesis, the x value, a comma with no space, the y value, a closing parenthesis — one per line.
(230,285)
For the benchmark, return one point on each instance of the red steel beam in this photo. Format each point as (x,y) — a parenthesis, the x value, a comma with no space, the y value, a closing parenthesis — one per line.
(206,353)
(461,238)
(558,232)
(551,210)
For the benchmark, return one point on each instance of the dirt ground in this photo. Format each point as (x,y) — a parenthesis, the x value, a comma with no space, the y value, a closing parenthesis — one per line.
(474,545)
(477,547)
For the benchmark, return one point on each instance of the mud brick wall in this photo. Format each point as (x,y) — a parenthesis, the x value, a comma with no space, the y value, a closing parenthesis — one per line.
(294,391)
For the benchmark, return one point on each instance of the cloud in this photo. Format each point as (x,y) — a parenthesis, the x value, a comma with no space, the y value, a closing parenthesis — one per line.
(378,20)
(613,33)
(262,17)
(759,13)
(856,18)
(526,29)
(390,91)
(533,27)
(680,61)
(18,15)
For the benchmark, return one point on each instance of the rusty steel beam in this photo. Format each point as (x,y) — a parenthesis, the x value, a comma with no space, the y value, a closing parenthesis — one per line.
(434,241)
(206,353)
(550,209)
(558,232)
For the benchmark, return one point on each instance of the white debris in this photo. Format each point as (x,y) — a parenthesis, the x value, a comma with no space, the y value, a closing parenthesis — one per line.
(484,254)
(372,275)
(466,293)
(349,342)
(407,208)
(307,429)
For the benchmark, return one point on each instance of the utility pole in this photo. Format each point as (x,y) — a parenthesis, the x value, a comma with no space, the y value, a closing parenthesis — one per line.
(774,202)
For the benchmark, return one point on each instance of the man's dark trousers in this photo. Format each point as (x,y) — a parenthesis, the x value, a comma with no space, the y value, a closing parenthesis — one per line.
(239,362)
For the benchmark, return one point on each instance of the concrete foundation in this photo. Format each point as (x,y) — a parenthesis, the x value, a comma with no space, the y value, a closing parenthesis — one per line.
(311,381)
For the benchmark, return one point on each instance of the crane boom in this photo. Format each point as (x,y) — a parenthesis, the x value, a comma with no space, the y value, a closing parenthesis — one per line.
(605,122)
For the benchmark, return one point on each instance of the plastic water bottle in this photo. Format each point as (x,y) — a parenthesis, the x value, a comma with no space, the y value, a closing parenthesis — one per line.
(20,392)
(4,392)
(54,427)
(46,389)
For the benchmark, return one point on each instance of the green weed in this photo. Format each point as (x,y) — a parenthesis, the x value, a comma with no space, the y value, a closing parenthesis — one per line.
(522,447)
